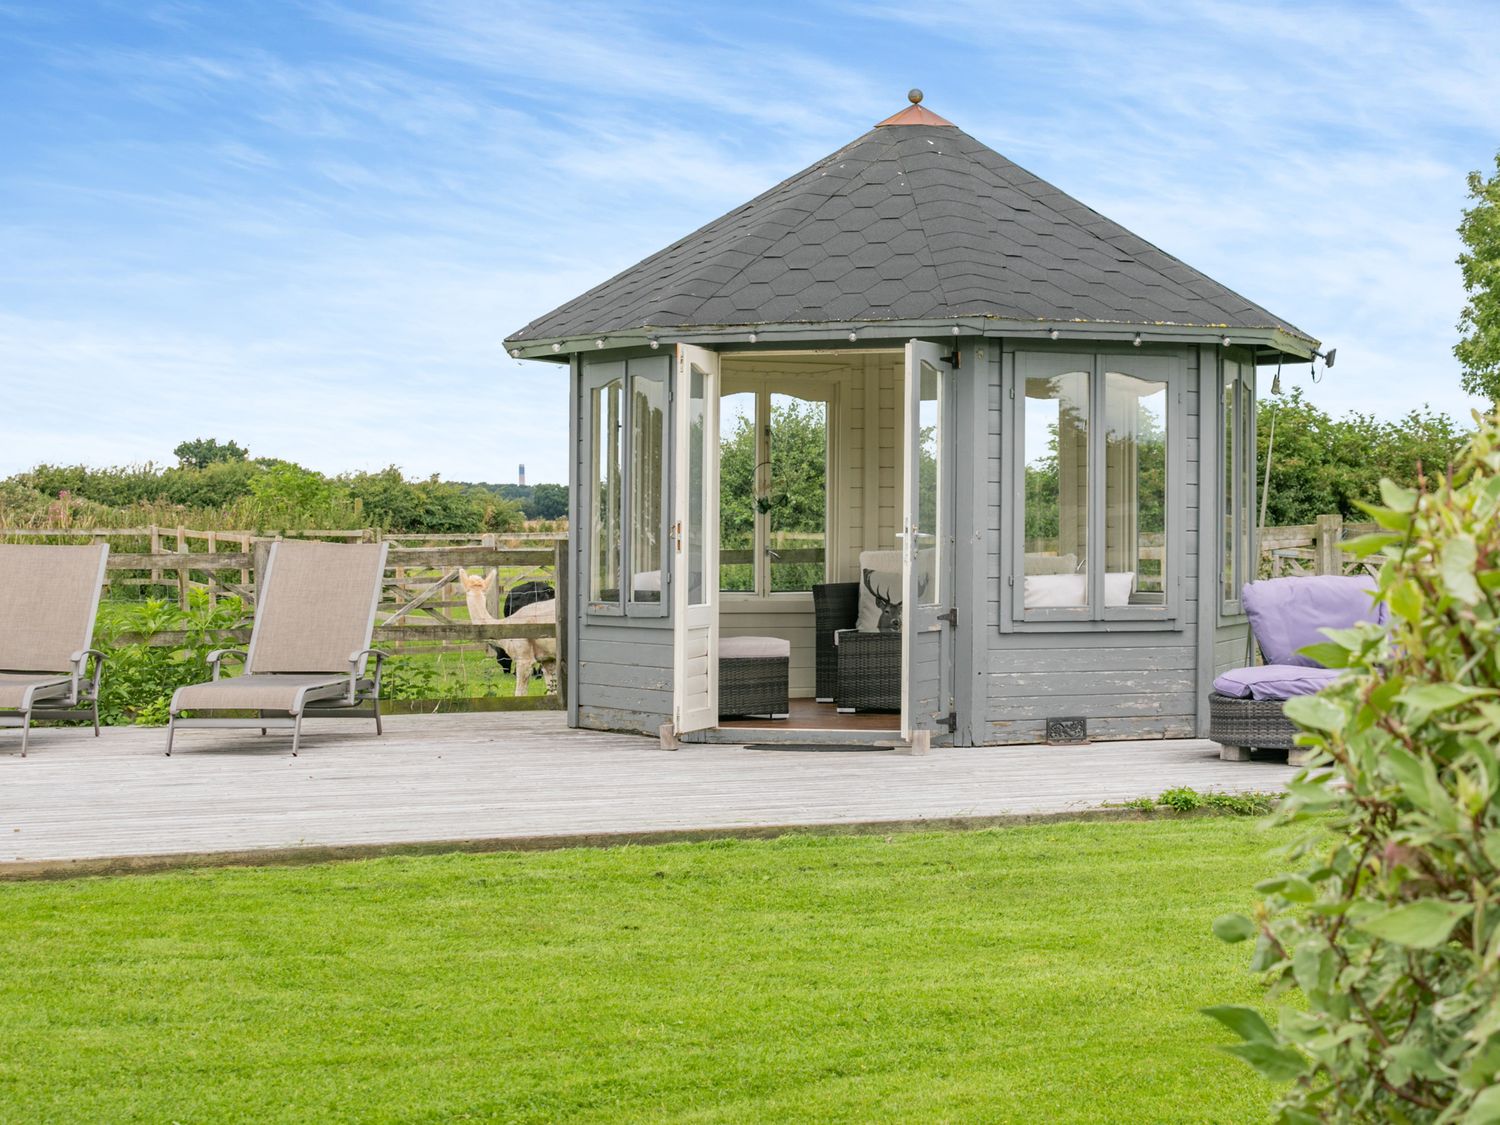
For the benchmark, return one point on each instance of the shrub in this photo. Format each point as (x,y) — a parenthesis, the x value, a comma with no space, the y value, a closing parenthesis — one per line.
(1388,935)
(139,678)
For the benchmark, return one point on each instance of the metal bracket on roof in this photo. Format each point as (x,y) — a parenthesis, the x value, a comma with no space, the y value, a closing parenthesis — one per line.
(951,359)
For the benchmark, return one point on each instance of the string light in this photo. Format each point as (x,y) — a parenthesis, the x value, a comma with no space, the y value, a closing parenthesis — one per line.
(1055,334)
(1137,341)
(654,342)
(599,343)
(754,339)
(557,347)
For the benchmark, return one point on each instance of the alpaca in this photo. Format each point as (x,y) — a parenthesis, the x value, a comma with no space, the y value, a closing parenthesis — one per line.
(524,652)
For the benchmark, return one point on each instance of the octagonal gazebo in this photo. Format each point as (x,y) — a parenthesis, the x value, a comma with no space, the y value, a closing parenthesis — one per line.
(921,370)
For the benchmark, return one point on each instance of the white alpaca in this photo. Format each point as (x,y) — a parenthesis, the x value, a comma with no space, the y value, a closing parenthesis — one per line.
(524,652)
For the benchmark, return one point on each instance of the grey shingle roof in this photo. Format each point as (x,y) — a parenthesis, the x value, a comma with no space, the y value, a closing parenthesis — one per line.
(909,222)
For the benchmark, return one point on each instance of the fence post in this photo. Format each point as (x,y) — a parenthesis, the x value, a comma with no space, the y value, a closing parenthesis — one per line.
(155,533)
(561,604)
(182,571)
(1328,545)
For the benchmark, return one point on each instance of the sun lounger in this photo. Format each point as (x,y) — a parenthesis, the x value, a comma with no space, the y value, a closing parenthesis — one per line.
(309,648)
(49,596)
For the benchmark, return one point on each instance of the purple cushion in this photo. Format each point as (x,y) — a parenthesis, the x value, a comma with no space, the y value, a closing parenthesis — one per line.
(1289,614)
(1275,681)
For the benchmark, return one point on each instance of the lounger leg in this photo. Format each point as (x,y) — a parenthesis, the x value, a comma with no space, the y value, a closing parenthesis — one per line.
(261,715)
(1234,753)
(378,729)
(296,734)
(171,731)
(96,717)
(25,731)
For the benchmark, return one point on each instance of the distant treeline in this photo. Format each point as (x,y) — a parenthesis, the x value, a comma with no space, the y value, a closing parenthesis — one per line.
(219,485)
(1325,465)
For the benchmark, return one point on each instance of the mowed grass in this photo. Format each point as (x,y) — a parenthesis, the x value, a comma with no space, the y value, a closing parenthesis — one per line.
(1037,974)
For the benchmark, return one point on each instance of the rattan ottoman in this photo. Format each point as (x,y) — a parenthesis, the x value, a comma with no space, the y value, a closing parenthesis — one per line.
(754,677)
(1249,724)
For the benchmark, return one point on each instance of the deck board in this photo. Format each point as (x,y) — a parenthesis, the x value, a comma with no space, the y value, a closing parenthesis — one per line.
(515,776)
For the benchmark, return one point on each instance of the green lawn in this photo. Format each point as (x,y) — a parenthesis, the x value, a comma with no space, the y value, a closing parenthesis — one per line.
(1040,974)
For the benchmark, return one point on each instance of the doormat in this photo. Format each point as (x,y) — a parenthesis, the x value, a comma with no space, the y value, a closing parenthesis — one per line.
(824,747)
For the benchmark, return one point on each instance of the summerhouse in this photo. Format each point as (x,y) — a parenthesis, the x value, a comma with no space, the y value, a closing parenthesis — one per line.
(919,441)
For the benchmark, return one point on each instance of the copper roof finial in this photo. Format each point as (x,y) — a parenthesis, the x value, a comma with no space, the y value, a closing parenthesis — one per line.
(914,114)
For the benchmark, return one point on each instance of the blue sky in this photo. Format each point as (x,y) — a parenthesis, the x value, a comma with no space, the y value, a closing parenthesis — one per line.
(308,226)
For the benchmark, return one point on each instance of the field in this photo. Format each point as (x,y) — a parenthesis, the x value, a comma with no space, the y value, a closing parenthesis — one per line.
(1025,974)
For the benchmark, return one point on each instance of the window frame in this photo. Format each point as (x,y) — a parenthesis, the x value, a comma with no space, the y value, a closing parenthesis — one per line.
(808,389)
(1242,488)
(1146,364)
(595,376)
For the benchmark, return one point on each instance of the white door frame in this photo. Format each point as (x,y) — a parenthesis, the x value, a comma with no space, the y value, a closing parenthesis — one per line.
(695,554)
(926,618)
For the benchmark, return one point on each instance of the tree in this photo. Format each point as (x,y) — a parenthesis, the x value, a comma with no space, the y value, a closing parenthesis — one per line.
(548,502)
(1322,464)
(1479,350)
(202,452)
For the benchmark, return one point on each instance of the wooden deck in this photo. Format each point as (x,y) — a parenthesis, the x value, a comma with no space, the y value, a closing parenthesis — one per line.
(519,780)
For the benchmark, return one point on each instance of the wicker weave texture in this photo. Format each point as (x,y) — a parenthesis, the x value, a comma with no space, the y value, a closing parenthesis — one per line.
(835,607)
(1256,723)
(869,676)
(754,686)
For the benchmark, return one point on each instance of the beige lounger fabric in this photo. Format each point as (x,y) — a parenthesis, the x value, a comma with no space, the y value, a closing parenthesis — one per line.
(319,604)
(48,597)
(260,693)
(13,687)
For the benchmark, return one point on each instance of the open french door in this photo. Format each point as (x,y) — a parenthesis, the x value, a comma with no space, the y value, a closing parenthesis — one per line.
(695,559)
(927,545)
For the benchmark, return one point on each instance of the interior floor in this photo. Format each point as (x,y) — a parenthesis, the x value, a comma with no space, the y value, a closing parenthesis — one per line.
(806,714)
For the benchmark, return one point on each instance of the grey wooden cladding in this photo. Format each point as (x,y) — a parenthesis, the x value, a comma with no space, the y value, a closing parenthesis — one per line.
(1130,679)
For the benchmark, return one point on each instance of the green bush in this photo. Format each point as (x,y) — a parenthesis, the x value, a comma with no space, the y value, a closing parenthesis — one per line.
(139,678)
(1388,938)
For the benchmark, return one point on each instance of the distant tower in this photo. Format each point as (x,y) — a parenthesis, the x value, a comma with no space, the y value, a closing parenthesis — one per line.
(521,476)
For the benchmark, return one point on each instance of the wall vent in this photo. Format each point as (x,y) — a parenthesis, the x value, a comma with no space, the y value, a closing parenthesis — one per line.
(1060,732)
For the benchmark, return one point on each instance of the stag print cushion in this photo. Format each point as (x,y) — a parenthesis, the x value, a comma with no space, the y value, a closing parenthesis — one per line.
(879,601)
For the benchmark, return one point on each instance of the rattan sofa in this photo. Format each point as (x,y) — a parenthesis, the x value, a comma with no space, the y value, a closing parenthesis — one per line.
(1246,709)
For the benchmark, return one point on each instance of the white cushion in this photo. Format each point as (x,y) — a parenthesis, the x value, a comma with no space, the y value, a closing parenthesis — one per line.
(1056,591)
(754,648)
(1117,587)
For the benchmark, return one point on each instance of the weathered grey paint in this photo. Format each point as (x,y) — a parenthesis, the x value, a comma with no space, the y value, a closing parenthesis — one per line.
(1130,679)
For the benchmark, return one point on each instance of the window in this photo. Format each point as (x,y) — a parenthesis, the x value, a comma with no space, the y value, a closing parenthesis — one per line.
(1135,482)
(1095,456)
(627,452)
(1237,478)
(773,481)
(606,413)
(648,407)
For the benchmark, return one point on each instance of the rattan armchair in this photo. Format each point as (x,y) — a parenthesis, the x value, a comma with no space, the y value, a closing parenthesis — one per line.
(856,671)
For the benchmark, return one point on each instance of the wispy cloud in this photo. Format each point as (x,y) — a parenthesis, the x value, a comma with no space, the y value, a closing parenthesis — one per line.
(310,230)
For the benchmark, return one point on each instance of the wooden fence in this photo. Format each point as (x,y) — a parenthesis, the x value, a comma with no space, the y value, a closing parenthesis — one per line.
(422,587)
(1313,548)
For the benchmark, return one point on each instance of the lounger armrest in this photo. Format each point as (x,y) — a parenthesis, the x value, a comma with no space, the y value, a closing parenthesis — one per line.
(218,655)
(78,659)
(380,657)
